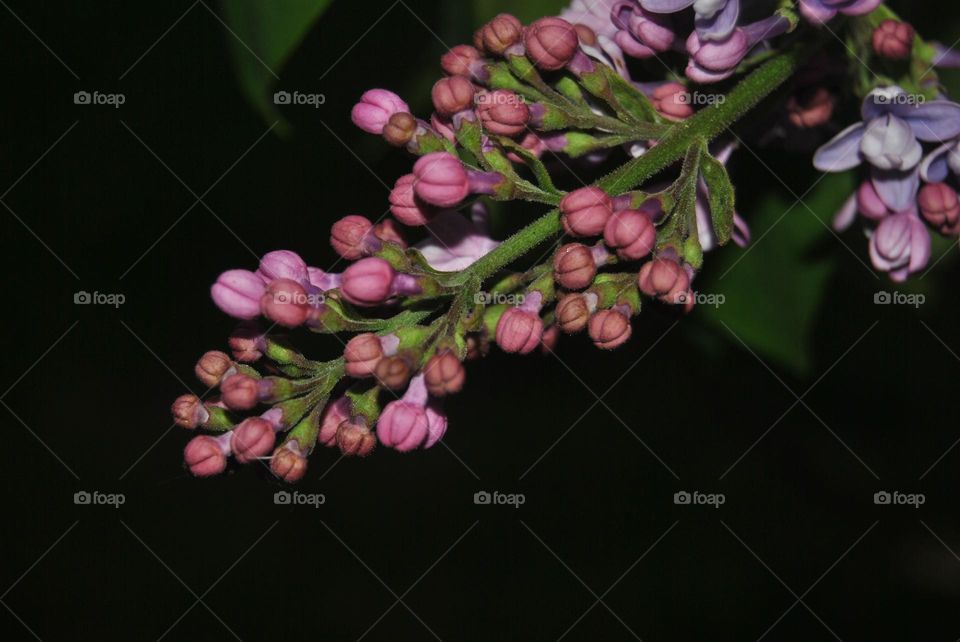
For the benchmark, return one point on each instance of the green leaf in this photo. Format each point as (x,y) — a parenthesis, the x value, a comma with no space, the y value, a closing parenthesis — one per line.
(265,34)
(773,289)
(526,11)
(721,196)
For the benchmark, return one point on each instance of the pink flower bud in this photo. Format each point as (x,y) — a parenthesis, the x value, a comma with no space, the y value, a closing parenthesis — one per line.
(355,439)
(940,206)
(452,95)
(247,343)
(503,112)
(464,60)
(664,279)
(900,245)
(350,237)
(893,39)
(869,202)
(400,129)
(672,101)
(609,329)
(409,208)
(282,264)
(441,179)
(239,392)
(520,328)
(188,412)
(551,43)
(574,310)
(252,439)
(632,233)
(375,109)
(404,425)
(238,293)
(718,55)
(334,414)
(206,456)
(211,367)
(394,372)
(444,374)
(368,282)
(362,354)
(574,267)
(285,303)
(288,463)
(810,109)
(501,33)
(586,211)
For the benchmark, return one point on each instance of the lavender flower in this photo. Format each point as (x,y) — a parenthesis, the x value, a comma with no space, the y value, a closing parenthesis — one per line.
(714,19)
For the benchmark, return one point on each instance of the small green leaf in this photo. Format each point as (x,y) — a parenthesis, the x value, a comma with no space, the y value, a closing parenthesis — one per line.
(721,196)
(264,35)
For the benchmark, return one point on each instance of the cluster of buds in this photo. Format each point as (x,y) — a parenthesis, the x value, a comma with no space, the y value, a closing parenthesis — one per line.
(426,289)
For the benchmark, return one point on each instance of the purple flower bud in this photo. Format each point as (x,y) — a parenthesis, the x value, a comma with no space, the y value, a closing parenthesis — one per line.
(893,39)
(334,414)
(444,374)
(574,267)
(239,392)
(574,310)
(821,11)
(350,237)
(503,112)
(441,179)
(206,456)
(409,208)
(672,101)
(282,264)
(632,233)
(368,282)
(609,329)
(869,202)
(436,424)
(551,43)
(463,60)
(188,412)
(247,343)
(375,108)
(501,33)
(288,462)
(404,425)
(252,439)
(520,328)
(665,279)
(362,354)
(400,129)
(452,95)
(285,303)
(393,372)
(940,206)
(718,56)
(355,439)
(211,368)
(900,245)
(586,211)
(238,293)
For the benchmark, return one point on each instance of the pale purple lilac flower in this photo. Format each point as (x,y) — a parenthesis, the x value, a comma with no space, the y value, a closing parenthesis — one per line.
(457,242)
(714,19)
(821,11)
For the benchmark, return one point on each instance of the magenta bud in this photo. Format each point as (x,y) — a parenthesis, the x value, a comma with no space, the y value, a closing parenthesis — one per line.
(452,95)
(288,462)
(349,237)
(239,392)
(282,264)
(586,211)
(403,425)
(869,202)
(574,267)
(521,328)
(632,233)
(252,439)
(334,414)
(940,207)
(362,354)
(718,56)
(672,101)
(375,108)
(444,374)
(211,367)
(206,456)
(551,43)
(355,439)
(503,112)
(811,108)
(188,412)
(501,33)
(400,129)
(368,282)
(893,39)
(409,208)
(441,179)
(285,303)
(664,279)
(574,310)
(464,60)
(238,293)
(609,329)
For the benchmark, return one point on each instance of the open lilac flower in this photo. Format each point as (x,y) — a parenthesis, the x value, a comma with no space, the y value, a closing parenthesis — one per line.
(456,242)
(820,11)
(889,140)
(595,14)
(941,162)
(714,19)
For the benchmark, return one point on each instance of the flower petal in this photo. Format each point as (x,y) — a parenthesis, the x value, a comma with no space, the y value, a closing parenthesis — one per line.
(936,121)
(721,24)
(842,152)
(897,189)
(846,215)
(665,6)
(934,168)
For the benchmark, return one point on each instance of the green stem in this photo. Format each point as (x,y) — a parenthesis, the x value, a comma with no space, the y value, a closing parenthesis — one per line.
(703,126)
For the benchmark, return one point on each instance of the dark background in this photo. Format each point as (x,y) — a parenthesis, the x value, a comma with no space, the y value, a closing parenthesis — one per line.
(87,390)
